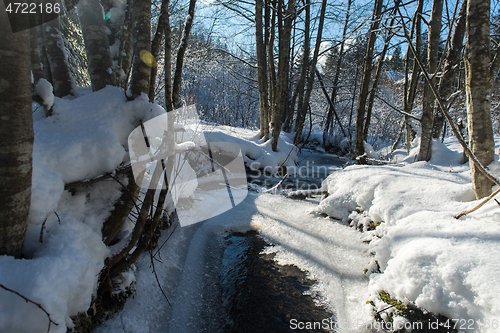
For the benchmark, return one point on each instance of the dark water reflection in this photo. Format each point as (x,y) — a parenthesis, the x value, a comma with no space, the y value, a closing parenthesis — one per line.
(258,295)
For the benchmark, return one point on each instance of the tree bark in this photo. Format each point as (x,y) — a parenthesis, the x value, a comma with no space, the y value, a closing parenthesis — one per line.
(141,70)
(411,86)
(450,68)
(96,44)
(155,47)
(270,27)
(301,111)
(311,70)
(365,81)
(426,120)
(477,64)
(378,71)
(176,87)
(16,136)
(126,51)
(261,71)
(36,67)
(59,69)
(328,130)
(285,20)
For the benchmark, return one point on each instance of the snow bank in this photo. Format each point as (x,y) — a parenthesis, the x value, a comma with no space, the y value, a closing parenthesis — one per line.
(256,153)
(64,252)
(426,256)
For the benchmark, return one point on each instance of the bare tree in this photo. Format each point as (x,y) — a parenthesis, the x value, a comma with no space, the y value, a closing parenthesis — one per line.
(16,136)
(261,70)
(57,62)
(285,20)
(365,81)
(478,87)
(450,69)
(141,70)
(310,78)
(424,153)
(176,87)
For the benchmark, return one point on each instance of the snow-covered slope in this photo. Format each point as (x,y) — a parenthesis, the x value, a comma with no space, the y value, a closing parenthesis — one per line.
(426,256)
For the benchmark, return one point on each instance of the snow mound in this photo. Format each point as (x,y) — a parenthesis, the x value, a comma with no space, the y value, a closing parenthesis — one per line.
(258,155)
(441,264)
(84,138)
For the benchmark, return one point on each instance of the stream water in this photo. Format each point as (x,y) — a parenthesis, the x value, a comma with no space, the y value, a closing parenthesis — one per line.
(222,282)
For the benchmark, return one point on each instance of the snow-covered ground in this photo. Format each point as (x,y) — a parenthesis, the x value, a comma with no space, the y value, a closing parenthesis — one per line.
(332,253)
(426,256)
(418,253)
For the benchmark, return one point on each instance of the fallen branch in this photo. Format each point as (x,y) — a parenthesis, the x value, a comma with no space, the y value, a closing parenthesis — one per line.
(88,182)
(30,301)
(302,194)
(465,212)
(277,185)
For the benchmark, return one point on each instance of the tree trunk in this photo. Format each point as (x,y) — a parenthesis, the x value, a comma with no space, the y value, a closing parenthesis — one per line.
(301,111)
(126,51)
(450,68)
(176,88)
(36,67)
(311,76)
(411,86)
(477,65)
(378,71)
(426,121)
(155,47)
(141,70)
(16,135)
(59,69)
(96,44)
(270,26)
(44,60)
(365,81)
(261,71)
(285,21)
(328,130)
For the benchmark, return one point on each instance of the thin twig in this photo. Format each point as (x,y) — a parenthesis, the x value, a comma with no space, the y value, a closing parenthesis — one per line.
(156,276)
(30,301)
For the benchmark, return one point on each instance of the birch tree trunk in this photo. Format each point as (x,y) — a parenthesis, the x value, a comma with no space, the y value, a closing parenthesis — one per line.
(16,136)
(477,65)
(96,44)
(426,122)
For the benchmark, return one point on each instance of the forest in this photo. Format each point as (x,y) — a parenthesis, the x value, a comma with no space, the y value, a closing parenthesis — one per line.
(235,89)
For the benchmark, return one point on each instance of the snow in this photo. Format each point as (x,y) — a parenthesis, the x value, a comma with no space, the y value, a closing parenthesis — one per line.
(426,256)
(63,250)
(332,253)
(417,253)
(45,90)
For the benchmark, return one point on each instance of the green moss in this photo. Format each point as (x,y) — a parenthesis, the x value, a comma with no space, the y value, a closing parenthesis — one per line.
(412,313)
